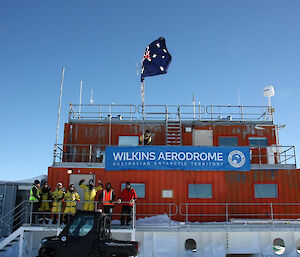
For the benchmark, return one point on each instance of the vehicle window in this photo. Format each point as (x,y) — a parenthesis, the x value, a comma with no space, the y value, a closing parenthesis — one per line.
(81,226)
(73,226)
(86,226)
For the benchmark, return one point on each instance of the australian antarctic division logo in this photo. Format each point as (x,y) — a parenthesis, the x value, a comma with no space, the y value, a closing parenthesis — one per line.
(236,159)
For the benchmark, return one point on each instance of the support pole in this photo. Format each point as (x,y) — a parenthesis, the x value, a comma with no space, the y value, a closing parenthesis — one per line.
(194,106)
(58,116)
(80,96)
(21,243)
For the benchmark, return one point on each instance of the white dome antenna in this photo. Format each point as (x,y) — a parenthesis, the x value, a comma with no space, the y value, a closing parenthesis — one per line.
(269,91)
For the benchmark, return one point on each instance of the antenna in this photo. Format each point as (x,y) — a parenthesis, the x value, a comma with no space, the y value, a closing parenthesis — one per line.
(269,91)
(194,106)
(91,101)
(80,96)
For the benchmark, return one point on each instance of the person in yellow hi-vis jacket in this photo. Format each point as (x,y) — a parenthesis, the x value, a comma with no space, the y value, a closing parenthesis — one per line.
(57,196)
(90,192)
(71,198)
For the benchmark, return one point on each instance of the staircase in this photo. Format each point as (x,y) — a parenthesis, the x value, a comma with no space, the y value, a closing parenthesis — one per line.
(8,242)
(173,132)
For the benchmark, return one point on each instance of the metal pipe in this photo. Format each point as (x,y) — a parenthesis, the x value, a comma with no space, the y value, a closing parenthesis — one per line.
(109,139)
(226,212)
(272,214)
(90,153)
(80,95)
(186,214)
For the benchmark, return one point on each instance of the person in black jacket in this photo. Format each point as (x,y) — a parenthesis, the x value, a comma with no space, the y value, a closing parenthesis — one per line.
(45,204)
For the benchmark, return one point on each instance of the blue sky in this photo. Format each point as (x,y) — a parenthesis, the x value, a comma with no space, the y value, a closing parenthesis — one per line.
(218,47)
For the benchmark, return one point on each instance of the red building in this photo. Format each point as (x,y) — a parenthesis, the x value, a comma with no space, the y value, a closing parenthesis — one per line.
(269,189)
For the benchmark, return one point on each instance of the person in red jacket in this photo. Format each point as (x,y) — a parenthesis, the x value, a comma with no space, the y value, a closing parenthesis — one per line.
(128,196)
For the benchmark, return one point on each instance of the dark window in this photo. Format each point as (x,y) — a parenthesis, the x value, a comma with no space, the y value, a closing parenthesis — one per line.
(81,226)
(200,191)
(190,245)
(266,191)
(138,187)
(228,141)
(258,141)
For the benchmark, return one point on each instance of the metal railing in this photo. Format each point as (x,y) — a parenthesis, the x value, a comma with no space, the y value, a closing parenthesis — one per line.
(24,214)
(199,112)
(208,213)
(273,155)
(227,212)
(89,153)
(79,153)
(102,111)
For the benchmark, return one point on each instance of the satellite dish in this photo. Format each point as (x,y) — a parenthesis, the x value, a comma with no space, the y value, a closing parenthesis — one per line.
(269,91)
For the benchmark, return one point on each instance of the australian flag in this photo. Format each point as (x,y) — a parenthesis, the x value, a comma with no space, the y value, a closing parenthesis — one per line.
(156,59)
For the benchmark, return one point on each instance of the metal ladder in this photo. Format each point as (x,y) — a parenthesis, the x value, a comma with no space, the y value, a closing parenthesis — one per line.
(173,132)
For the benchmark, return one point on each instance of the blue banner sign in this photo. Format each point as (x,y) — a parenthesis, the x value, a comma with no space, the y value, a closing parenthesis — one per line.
(177,158)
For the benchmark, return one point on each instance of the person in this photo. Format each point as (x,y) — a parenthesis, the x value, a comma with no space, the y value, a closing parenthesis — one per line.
(45,197)
(71,197)
(128,196)
(90,192)
(146,138)
(34,198)
(107,197)
(57,196)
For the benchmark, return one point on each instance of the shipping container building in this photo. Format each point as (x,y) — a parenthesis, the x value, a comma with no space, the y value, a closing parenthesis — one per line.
(269,189)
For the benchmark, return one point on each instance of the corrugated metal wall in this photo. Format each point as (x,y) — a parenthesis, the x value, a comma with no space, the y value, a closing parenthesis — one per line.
(7,205)
(99,133)
(227,187)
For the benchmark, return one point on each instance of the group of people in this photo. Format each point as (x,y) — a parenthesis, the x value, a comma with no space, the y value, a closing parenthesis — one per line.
(46,202)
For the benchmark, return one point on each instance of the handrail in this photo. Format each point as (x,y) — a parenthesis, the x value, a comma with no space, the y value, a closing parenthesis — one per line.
(95,153)
(164,112)
(269,212)
(227,213)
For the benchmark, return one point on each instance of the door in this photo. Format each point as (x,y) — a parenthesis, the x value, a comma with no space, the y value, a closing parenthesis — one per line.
(74,179)
(78,239)
(202,137)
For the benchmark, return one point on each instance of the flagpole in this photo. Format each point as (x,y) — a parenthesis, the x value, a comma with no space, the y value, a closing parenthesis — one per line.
(58,116)
(143,104)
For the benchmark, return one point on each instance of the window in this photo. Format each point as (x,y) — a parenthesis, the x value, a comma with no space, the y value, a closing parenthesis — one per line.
(81,226)
(167,193)
(138,187)
(128,140)
(266,191)
(228,141)
(190,245)
(278,246)
(200,191)
(258,141)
